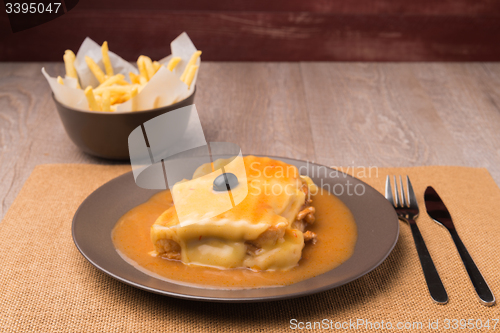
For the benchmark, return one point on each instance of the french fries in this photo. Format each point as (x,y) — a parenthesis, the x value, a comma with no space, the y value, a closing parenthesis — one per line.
(69,64)
(173,63)
(106,101)
(190,75)
(141,64)
(96,70)
(149,67)
(115,89)
(190,70)
(91,99)
(105,59)
(134,78)
(134,92)
(115,79)
(191,62)
(156,66)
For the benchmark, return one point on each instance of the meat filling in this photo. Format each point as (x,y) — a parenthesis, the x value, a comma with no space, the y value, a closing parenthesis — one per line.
(304,218)
(170,249)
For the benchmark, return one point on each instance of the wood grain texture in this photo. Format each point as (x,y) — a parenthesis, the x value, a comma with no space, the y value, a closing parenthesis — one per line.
(431,7)
(367,101)
(404,114)
(378,32)
(340,114)
(30,130)
(254,104)
(460,91)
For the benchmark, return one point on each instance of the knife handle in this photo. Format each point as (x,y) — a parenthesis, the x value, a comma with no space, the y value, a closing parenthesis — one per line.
(434,283)
(482,289)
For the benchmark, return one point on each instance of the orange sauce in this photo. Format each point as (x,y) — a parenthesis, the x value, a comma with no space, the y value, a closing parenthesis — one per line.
(334,225)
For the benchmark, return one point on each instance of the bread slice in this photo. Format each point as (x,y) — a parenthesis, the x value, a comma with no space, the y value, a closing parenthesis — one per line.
(261,232)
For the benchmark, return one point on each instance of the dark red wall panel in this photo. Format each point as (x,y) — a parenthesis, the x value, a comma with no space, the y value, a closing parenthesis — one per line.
(357,30)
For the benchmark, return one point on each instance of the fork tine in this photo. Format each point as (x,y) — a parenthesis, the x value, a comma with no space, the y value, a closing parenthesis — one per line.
(412,199)
(403,194)
(388,190)
(396,192)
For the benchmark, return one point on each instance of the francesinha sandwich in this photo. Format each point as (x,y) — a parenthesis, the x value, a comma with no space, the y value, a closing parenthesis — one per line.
(266,230)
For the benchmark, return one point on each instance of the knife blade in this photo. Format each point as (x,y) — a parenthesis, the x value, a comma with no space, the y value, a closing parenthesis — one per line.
(439,213)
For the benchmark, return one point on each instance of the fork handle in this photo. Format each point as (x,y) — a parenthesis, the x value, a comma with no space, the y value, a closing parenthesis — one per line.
(480,285)
(434,284)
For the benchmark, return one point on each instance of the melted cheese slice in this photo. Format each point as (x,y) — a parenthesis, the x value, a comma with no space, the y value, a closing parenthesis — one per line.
(263,217)
(196,201)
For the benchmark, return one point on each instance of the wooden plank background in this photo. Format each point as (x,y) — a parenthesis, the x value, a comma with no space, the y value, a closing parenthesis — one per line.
(337,114)
(282,30)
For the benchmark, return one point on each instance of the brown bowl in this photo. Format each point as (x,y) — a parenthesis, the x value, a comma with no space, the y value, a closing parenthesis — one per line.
(104,134)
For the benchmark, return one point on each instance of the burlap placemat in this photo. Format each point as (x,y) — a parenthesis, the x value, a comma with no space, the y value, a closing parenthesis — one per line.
(46,285)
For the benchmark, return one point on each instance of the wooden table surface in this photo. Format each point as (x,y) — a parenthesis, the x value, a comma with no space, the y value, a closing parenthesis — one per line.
(339,114)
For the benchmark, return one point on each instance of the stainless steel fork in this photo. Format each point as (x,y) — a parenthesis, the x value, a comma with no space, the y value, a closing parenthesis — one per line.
(408,212)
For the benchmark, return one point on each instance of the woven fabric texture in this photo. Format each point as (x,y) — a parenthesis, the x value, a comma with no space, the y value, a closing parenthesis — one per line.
(47,286)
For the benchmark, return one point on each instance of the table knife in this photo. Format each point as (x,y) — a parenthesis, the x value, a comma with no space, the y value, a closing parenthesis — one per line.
(439,213)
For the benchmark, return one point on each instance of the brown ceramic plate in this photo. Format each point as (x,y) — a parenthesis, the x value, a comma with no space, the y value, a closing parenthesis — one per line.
(378,230)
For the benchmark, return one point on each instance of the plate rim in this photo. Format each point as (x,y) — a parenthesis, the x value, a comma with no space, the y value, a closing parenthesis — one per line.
(244,299)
